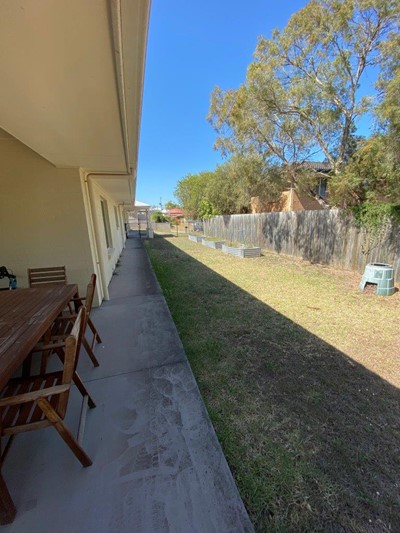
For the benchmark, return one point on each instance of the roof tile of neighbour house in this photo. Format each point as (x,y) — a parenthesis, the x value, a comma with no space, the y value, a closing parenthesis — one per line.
(317,166)
(175,212)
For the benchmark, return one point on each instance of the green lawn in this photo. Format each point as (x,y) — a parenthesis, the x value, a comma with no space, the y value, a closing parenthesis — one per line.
(300,374)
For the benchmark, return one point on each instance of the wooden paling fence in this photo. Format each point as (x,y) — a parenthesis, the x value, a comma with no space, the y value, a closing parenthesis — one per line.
(327,237)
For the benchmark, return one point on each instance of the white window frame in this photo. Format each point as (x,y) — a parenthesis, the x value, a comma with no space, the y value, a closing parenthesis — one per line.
(106,223)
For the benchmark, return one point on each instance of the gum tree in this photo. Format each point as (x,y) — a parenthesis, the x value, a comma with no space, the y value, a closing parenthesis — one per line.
(302,95)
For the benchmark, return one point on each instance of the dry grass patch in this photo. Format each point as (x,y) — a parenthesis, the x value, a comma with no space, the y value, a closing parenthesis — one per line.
(300,374)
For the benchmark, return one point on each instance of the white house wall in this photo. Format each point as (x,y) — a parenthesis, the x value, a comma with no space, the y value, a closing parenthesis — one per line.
(108,256)
(42,215)
(72,82)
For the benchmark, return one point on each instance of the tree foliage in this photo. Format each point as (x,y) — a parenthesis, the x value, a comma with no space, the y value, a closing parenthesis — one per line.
(388,110)
(190,192)
(229,188)
(372,175)
(303,95)
(171,205)
(370,182)
(370,186)
(376,218)
(158,216)
(302,91)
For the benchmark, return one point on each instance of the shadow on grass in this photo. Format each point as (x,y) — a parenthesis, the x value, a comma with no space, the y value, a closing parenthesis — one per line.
(312,437)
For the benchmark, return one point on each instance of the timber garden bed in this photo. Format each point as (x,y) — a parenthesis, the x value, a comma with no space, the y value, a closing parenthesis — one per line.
(301,377)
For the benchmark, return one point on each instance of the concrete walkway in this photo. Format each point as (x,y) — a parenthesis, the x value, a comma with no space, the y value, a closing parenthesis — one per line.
(157,464)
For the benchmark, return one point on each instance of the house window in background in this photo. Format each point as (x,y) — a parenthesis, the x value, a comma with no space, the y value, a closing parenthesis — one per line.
(322,189)
(106,222)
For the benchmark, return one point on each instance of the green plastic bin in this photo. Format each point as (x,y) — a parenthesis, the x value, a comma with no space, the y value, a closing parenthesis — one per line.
(381,275)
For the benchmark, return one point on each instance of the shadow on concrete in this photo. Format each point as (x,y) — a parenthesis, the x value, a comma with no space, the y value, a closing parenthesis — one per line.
(346,418)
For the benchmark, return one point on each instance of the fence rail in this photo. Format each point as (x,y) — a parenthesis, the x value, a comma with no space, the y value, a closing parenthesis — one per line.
(326,237)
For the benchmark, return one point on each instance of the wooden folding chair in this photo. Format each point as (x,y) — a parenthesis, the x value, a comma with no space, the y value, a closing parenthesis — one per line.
(87,301)
(41,401)
(91,288)
(62,327)
(56,344)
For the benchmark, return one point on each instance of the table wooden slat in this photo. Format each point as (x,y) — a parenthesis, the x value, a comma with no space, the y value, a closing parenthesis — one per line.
(25,316)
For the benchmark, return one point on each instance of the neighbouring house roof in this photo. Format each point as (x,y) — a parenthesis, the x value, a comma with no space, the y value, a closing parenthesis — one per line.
(292,200)
(289,201)
(175,212)
(141,204)
(317,166)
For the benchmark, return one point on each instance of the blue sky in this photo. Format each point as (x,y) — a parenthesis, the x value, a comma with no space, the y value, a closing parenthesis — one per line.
(192,47)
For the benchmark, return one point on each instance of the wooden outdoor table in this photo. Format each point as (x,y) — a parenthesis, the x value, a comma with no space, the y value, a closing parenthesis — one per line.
(25,316)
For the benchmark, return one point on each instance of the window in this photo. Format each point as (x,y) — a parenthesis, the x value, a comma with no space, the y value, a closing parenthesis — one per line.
(116,216)
(106,222)
(322,189)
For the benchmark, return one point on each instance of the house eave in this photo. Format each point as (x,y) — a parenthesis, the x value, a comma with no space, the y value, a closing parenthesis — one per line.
(72,86)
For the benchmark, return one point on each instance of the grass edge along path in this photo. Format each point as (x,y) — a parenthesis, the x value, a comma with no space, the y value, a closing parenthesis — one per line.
(311,435)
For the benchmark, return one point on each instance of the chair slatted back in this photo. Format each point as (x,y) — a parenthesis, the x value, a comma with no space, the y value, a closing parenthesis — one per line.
(72,348)
(47,275)
(87,302)
(90,293)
